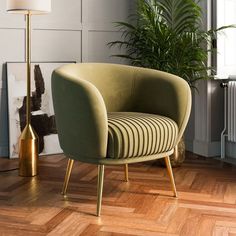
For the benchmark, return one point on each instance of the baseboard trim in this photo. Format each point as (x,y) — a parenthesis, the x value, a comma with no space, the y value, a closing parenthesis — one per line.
(230,150)
(206,149)
(227,160)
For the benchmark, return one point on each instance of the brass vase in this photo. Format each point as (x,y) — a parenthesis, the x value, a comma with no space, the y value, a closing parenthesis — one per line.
(28,154)
(178,157)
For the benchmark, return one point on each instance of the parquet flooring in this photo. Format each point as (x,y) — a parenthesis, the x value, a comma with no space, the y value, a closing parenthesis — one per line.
(143,206)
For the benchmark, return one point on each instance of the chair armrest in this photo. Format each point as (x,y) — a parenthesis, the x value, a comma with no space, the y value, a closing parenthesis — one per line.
(81,116)
(164,94)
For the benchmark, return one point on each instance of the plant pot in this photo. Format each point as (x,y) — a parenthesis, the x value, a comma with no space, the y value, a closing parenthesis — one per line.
(178,157)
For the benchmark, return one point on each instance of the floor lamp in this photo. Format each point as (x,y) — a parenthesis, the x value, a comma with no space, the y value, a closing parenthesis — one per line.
(28,142)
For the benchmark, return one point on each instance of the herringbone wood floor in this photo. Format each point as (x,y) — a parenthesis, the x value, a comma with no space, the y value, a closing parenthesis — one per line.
(206,204)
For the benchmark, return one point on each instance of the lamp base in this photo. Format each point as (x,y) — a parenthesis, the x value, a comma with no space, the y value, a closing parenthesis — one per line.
(28,152)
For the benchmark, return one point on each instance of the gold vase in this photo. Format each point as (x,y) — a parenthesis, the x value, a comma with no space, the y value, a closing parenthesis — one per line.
(178,157)
(28,152)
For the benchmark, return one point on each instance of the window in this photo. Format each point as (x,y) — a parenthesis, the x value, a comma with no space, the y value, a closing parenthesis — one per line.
(226,43)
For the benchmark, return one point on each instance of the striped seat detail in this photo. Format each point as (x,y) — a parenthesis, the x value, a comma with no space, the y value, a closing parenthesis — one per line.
(132,134)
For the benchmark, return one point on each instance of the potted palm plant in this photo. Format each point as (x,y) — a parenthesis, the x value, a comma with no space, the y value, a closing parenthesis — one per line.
(168,35)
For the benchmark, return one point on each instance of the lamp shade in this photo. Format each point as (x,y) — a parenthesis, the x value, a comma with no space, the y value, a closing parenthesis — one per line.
(29,6)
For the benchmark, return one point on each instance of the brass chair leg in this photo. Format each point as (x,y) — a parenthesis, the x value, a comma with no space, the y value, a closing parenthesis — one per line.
(100,188)
(67,176)
(126,169)
(170,172)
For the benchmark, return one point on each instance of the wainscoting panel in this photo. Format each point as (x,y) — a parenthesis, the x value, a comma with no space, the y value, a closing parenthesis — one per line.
(64,15)
(57,45)
(10,48)
(97,47)
(108,11)
(10,20)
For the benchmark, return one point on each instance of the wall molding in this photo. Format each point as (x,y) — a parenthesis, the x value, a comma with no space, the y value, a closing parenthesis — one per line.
(203,148)
(230,150)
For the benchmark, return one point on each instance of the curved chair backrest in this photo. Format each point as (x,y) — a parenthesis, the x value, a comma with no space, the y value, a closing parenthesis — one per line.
(114,82)
(96,89)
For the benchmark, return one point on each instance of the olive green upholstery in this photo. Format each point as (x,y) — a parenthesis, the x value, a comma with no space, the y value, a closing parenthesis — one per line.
(133,134)
(83,95)
(109,114)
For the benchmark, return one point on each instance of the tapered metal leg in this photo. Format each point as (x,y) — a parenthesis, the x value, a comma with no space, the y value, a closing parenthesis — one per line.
(67,176)
(100,188)
(170,172)
(126,169)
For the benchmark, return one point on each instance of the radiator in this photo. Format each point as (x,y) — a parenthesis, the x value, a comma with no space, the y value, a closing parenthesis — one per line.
(229,130)
(231,111)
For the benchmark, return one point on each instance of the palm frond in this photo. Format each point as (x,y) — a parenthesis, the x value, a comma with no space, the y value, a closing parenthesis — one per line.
(168,35)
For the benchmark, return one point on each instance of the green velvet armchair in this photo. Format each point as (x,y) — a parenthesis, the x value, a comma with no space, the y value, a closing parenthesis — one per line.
(108,114)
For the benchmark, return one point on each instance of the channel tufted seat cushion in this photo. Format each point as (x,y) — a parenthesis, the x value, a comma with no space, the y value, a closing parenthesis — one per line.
(132,134)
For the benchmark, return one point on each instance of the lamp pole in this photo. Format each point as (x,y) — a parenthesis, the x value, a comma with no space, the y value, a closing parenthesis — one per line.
(28,142)
(28,62)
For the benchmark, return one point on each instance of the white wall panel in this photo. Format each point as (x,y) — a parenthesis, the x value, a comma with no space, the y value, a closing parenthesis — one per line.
(9,20)
(55,45)
(64,15)
(108,11)
(98,51)
(12,44)
(11,47)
